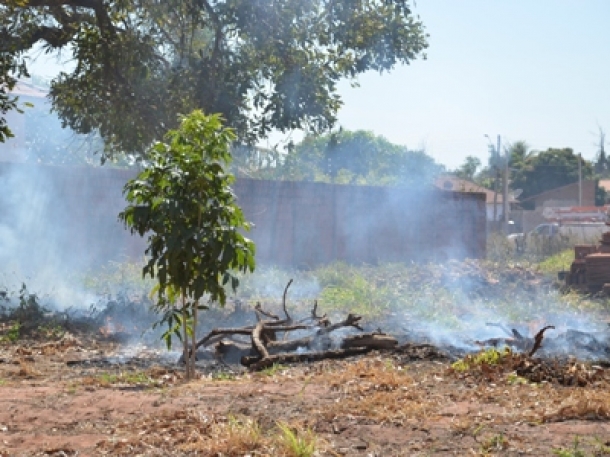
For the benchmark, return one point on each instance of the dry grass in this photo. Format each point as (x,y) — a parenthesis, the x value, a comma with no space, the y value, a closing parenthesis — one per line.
(330,407)
(27,370)
(587,405)
(374,390)
(192,432)
(369,391)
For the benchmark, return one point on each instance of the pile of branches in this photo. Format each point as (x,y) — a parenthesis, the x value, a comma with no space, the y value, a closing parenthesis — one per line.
(266,348)
(575,342)
(565,372)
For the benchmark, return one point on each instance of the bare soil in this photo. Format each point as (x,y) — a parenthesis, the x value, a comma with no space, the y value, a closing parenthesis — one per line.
(382,404)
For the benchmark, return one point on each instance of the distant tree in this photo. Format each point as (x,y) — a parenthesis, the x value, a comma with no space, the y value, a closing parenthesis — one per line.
(548,170)
(489,175)
(358,157)
(518,153)
(520,161)
(468,169)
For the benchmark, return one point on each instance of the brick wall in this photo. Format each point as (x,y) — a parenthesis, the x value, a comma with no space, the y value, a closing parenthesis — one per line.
(296,223)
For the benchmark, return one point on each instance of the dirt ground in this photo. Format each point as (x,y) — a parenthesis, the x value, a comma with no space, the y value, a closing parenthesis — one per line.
(54,402)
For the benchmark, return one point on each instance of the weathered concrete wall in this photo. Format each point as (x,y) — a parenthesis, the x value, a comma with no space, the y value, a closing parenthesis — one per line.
(304,224)
(296,223)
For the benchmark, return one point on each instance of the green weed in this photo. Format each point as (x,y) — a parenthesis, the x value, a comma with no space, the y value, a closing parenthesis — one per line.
(13,333)
(515,379)
(224,376)
(557,262)
(51,330)
(575,451)
(71,388)
(297,443)
(273,369)
(599,448)
(494,443)
(244,433)
(353,289)
(491,356)
(133,378)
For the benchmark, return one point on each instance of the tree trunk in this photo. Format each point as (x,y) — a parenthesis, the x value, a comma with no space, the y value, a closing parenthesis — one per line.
(185,341)
(194,340)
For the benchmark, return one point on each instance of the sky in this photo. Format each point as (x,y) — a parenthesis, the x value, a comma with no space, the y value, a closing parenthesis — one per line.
(537,71)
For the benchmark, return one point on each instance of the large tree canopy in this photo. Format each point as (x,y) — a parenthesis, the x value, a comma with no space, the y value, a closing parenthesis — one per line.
(11,67)
(358,157)
(262,64)
(538,172)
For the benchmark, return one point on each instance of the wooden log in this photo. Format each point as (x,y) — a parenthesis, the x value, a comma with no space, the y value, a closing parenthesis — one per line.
(369,340)
(256,340)
(257,364)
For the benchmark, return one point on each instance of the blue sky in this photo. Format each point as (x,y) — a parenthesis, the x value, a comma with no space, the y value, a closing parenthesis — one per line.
(533,70)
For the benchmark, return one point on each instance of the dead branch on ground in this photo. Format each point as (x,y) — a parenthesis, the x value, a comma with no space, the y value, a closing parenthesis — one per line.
(538,339)
(265,350)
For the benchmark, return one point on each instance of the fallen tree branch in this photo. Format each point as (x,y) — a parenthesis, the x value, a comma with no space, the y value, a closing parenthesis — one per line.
(538,339)
(257,364)
(264,345)
(288,318)
(259,309)
(256,340)
(231,352)
(209,338)
(350,321)
(321,320)
(370,340)
(517,334)
(500,326)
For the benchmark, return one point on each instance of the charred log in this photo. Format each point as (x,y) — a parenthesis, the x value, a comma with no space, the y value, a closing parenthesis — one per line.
(370,340)
(256,363)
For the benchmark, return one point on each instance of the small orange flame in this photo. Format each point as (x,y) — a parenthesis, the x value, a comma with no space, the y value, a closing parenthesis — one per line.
(111,327)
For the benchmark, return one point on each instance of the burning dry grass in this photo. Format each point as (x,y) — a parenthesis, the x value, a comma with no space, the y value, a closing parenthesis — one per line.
(307,409)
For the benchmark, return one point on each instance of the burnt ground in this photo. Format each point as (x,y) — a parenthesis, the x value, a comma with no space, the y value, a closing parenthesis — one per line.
(74,396)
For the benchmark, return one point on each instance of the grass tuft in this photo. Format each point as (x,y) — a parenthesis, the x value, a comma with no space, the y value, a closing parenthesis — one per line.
(295,442)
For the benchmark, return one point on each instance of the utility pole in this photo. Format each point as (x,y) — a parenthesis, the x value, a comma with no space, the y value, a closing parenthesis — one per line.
(579,179)
(505,202)
(504,164)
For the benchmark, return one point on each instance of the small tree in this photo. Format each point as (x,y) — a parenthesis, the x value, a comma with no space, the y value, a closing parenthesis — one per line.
(469,168)
(184,202)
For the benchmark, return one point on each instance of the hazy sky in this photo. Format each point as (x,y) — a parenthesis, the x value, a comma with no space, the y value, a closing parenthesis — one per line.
(533,70)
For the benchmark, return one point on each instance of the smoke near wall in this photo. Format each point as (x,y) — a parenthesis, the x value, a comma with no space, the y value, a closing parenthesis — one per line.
(56,224)
(394,247)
